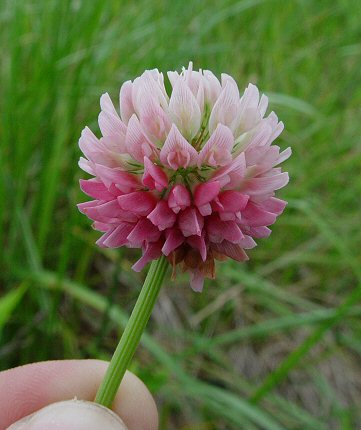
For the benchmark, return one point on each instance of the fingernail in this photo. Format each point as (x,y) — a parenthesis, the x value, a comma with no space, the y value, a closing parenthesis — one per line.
(71,415)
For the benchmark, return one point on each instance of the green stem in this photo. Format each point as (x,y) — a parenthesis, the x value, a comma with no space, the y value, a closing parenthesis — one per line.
(132,333)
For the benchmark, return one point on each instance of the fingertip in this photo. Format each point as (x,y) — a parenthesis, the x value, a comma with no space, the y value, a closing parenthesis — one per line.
(135,404)
(71,415)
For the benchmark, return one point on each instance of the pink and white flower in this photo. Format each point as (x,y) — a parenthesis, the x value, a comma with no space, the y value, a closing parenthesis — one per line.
(191,176)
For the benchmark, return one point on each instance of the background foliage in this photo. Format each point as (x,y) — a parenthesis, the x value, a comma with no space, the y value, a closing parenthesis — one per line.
(272,344)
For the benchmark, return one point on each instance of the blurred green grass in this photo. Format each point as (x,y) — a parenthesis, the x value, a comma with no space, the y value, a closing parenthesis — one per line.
(272,344)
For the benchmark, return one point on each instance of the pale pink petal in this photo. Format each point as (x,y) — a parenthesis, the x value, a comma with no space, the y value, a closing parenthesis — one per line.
(86,165)
(263,104)
(257,232)
(200,96)
(248,119)
(205,210)
(138,202)
(277,127)
(119,236)
(227,79)
(254,216)
(100,226)
(149,84)
(212,88)
(188,74)
(90,146)
(179,198)
(101,151)
(126,101)
(162,216)
(219,230)
(273,205)
(190,222)
(158,78)
(151,252)
(173,78)
(258,137)
(284,155)
(264,156)
(229,216)
(144,231)
(174,238)
(115,144)
(232,201)
(87,138)
(233,173)
(226,108)
(124,181)
(85,205)
(250,97)
(154,177)
(104,237)
(109,121)
(153,120)
(95,189)
(265,184)
(184,110)
(247,242)
(103,212)
(107,106)
(204,193)
(138,145)
(217,151)
(177,152)
(194,80)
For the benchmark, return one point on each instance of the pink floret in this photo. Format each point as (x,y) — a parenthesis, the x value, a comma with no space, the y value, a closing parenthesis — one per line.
(191,176)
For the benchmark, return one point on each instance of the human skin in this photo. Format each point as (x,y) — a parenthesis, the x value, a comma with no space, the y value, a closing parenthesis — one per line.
(27,389)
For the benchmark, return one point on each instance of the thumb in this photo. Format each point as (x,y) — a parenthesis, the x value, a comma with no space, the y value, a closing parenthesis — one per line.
(71,415)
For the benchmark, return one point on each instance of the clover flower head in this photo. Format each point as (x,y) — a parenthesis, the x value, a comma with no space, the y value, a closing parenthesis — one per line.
(192,175)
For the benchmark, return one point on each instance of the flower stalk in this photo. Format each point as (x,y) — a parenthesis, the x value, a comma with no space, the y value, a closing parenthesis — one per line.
(133,331)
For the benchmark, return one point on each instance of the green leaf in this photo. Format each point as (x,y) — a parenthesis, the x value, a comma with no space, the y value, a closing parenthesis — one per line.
(9,302)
